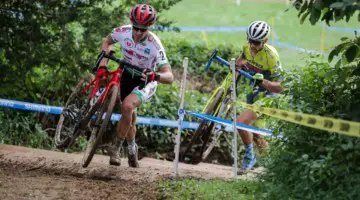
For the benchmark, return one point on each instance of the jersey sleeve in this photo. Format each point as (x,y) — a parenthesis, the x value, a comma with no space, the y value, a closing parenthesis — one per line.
(276,71)
(161,59)
(160,55)
(117,34)
(275,67)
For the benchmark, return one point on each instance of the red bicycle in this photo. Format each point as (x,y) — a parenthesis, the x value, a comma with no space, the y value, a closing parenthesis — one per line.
(84,115)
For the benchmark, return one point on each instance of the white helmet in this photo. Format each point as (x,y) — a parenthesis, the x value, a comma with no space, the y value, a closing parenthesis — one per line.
(258,30)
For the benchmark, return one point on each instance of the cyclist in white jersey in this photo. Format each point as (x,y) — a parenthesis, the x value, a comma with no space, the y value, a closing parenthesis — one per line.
(147,65)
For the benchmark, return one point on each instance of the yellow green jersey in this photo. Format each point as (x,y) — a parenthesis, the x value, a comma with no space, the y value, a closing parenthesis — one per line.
(266,62)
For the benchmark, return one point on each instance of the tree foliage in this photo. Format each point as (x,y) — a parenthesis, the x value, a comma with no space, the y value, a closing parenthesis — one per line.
(46,45)
(326,10)
(334,10)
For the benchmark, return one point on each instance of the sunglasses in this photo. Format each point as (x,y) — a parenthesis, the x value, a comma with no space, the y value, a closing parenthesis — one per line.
(139,29)
(255,42)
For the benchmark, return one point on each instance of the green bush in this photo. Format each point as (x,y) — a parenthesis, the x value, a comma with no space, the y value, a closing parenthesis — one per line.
(199,55)
(19,128)
(309,163)
(208,189)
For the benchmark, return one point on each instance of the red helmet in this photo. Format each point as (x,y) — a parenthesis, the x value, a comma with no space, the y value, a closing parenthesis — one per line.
(143,15)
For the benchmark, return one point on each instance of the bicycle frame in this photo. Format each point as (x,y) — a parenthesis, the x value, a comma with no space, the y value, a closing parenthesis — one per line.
(224,62)
(100,75)
(227,82)
(115,80)
(104,74)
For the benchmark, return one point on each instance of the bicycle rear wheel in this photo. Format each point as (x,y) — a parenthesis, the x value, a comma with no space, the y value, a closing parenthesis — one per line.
(194,150)
(100,125)
(76,106)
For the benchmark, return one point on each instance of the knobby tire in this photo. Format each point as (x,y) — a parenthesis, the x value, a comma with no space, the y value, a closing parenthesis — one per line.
(202,132)
(98,132)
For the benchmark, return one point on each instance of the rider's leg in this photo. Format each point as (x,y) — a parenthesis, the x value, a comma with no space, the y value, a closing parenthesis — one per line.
(123,126)
(132,130)
(247,118)
(131,102)
(126,126)
(260,142)
(132,146)
(259,139)
(138,96)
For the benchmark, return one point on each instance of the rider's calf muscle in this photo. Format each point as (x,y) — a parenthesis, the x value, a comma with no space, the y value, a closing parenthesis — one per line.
(273,86)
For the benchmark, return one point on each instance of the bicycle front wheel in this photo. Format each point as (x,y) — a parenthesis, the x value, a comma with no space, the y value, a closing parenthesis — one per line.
(194,150)
(223,112)
(100,125)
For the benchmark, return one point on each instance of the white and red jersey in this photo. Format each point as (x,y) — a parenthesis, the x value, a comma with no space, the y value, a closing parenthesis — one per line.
(148,53)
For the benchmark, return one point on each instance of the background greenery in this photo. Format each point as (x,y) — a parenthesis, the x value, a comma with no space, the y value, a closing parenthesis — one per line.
(213,189)
(284,23)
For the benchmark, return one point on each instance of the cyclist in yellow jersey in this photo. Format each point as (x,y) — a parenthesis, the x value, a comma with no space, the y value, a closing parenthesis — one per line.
(262,60)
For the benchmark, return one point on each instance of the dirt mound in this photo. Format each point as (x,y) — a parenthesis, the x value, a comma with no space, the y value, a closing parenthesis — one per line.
(27,173)
(16,184)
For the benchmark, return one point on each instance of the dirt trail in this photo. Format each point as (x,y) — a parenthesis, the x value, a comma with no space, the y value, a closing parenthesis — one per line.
(27,173)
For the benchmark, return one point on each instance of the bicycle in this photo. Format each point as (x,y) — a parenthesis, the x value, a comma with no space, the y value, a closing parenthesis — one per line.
(92,117)
(219,105)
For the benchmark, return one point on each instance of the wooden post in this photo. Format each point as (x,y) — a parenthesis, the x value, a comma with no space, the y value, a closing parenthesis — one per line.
(181,114)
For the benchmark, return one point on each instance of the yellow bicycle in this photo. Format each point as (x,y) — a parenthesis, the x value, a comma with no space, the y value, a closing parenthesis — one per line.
(219,105)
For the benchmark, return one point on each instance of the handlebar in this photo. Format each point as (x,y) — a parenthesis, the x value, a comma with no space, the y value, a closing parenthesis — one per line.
(121,62)
(111,57)
(210,60)
(224,62)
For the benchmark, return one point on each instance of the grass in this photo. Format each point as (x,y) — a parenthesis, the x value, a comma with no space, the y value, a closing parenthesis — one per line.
(211,189)
(226,13)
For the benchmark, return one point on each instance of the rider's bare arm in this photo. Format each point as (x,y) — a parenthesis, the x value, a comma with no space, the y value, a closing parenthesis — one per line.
(272,86)
(106,46)
(240,61)
(166,75)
